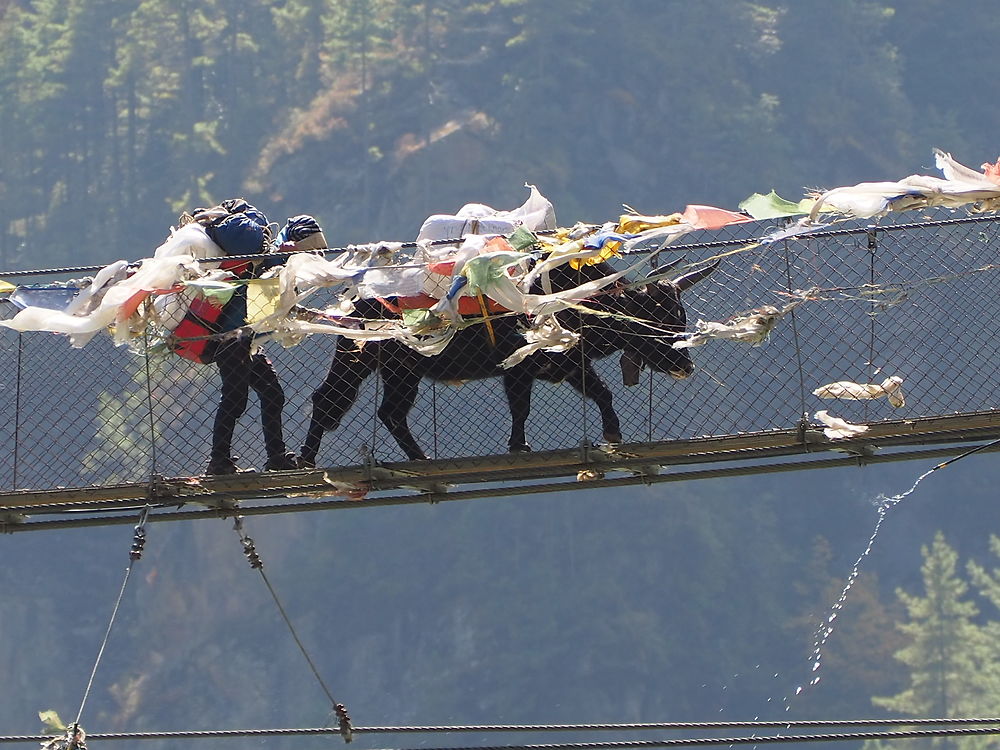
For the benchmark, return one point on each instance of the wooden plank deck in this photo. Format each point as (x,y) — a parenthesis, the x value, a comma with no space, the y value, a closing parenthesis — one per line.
(524,473)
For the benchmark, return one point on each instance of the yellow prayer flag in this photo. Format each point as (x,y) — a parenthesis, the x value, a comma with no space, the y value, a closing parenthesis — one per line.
(634,223)
(262,298)
(606,252)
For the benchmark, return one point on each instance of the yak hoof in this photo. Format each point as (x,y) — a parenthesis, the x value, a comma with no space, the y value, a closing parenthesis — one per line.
(614,438)
(519,448)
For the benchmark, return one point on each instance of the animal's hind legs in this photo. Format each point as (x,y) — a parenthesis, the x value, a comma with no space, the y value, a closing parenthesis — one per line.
(517,385)
(397,401)
(587,382)
(310,448)
(332,400)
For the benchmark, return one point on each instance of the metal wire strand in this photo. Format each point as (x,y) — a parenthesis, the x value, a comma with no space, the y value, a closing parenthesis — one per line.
(951,728)
(135,553)
(250,551)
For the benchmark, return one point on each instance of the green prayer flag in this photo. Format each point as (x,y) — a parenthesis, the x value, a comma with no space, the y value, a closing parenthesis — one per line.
(482,270)
(521,239)
(413,318)
(51,721)
(773,206)
(219,292)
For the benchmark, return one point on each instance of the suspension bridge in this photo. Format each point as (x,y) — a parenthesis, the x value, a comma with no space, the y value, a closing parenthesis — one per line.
(839,345)
(97,432)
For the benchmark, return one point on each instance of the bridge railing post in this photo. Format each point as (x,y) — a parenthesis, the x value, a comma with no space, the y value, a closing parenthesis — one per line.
(17,411)
(803,412)
(872,236)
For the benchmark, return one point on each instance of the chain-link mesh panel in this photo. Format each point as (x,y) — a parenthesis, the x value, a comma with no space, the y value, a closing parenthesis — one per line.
(10,401)
(914,300)
(78,415)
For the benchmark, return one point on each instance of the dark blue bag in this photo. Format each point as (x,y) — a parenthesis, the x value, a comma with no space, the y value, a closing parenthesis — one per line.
(238,234)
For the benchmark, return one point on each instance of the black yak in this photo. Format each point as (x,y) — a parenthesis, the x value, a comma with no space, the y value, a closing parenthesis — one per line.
(640,321)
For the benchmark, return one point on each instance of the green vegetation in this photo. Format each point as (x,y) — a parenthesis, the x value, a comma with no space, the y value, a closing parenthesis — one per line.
(671,602)
(950,655)
(373,114)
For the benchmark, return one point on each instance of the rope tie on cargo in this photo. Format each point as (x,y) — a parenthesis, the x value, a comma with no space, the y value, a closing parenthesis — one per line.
(482,300)
(486,319)
(255,562)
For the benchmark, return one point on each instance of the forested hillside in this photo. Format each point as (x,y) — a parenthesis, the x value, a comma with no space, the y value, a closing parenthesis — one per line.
(374,113)
(665,603)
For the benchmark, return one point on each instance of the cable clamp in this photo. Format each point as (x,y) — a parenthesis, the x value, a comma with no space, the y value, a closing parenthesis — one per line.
(871,232)
(249,549)
(646,471)
(9,519)
(156,488)
(139,536)
(433,491)
(138,543)
(344,722)
(74,739)
(369,463)
(806,435)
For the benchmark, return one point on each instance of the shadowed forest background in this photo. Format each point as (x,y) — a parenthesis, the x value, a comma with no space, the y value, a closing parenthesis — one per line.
(666,603)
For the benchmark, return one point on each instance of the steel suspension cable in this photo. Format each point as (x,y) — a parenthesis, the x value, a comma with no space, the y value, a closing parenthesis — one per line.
(250,551)
(946,728)
(819,232)
(673,725)
(752,740)
(135,553)
(252,256)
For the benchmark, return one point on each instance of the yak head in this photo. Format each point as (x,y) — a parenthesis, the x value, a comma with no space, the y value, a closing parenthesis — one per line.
(659,319)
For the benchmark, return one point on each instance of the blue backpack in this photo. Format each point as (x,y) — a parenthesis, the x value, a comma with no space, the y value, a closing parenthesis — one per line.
(238,234)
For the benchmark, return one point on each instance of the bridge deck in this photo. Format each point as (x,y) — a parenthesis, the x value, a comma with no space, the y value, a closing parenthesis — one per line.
(486,476)
(102,428)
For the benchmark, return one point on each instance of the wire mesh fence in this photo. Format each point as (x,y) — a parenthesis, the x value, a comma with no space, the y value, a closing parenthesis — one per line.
(912,299)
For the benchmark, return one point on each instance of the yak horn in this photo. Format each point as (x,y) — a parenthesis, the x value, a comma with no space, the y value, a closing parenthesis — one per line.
(663,269)
(688,280)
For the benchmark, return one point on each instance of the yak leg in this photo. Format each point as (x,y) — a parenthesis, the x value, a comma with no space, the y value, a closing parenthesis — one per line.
(333,399)
(588,383)
(400,394)
(517,384)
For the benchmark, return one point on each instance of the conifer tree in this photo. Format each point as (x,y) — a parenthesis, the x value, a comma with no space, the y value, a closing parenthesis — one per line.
(946,649)
(987,584)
